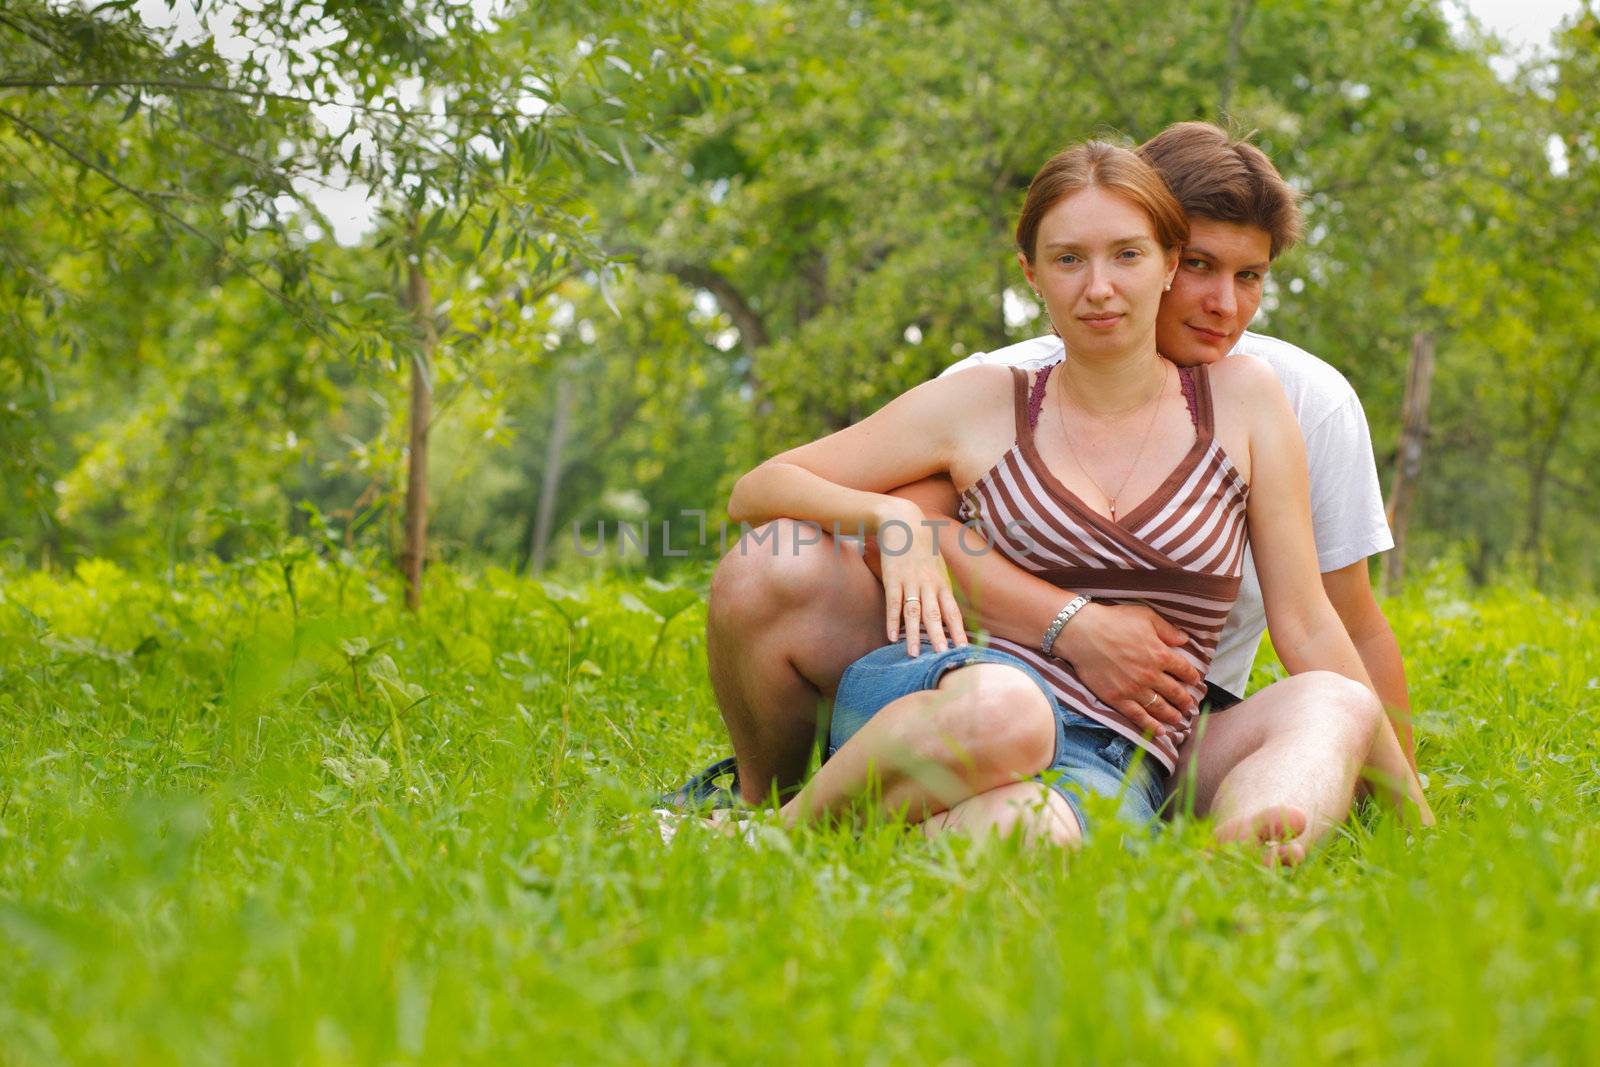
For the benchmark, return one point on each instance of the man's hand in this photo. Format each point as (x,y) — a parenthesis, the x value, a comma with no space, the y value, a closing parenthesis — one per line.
(1125,653)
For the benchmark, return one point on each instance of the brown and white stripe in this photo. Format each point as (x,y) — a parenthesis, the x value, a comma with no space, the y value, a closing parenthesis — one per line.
(1181,551)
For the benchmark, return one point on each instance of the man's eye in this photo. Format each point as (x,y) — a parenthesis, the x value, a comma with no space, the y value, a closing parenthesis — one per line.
(1195,264)
(1249,276)
(1067,260)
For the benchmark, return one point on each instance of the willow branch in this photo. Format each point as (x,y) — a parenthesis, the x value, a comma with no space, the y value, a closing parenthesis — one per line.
(153,203)
(175,85)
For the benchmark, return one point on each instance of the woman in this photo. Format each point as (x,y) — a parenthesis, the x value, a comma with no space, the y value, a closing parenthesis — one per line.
(1113,473)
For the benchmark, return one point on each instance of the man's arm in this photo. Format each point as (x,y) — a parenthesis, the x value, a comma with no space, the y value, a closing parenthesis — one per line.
(1350,590)
(1122,652)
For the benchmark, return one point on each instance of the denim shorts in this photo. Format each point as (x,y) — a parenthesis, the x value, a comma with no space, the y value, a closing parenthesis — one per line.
(1090,759)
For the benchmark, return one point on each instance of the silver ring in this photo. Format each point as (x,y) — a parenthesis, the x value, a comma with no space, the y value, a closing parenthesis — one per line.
(913,600)
(1146,705)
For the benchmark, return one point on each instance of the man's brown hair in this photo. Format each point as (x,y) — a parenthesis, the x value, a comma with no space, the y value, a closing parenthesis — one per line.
(1217,176)
(1096,164)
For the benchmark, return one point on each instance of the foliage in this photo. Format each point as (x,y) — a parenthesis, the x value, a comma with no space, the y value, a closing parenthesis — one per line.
(853,214)
(239,830)
(726,227)
(472,133)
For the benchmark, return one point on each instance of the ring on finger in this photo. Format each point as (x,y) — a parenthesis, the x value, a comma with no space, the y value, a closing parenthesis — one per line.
(913,600)
(1147,704)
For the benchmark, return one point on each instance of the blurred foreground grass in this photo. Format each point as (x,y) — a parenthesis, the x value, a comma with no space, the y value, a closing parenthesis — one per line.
(236,826)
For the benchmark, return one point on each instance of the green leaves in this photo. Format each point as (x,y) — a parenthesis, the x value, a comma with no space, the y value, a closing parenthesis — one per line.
(662,600)
(223,187)
(732,226)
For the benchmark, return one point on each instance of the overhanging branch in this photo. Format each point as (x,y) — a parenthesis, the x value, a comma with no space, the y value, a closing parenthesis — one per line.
(752,327)
(175,85)
(152,203)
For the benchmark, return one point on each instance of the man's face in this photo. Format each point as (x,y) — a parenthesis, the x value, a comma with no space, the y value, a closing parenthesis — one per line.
(1215,293)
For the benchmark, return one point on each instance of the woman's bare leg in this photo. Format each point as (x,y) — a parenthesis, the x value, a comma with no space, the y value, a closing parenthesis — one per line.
(1033,808)
(985,726)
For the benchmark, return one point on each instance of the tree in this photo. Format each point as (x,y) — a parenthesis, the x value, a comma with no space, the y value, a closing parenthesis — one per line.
(509,113)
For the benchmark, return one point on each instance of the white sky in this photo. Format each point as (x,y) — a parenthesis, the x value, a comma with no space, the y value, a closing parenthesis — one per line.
(1525,25)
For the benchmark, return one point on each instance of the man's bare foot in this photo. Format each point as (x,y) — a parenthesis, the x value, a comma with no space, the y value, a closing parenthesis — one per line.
(1278,830)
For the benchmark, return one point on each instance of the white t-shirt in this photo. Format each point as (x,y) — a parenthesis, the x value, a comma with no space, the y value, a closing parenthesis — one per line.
(1347,514)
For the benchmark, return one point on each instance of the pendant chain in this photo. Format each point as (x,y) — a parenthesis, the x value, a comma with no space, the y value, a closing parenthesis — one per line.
(1154,406)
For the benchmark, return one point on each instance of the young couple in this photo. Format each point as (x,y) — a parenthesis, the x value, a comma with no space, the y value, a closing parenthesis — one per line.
(1115,479)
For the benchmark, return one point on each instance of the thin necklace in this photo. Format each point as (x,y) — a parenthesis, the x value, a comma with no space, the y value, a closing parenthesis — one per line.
(1111,499)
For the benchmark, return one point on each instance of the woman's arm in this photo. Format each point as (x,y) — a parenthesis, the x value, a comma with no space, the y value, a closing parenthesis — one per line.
(846,476)
(1306,631)
(841,483)
(1122,652)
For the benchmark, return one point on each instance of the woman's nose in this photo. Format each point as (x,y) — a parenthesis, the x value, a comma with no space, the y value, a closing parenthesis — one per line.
(1099,282)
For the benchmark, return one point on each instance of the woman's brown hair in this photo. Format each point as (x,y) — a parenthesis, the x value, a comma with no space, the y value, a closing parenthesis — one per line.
(1097,164)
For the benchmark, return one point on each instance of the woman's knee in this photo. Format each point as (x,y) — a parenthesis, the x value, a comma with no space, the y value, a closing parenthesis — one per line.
(1000,718)
(774,568)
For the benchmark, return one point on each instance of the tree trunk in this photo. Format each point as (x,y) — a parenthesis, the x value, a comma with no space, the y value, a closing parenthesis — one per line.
(419,299)
(1230,69)
(753,332)
(1544,453)
(1534,545)
(1004,265)
(1408,458)
(553,456)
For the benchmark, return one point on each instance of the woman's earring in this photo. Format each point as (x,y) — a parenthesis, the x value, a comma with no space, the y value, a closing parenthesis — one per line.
(1167,288)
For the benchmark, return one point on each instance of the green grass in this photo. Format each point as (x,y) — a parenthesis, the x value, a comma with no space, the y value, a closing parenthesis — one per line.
(227,835)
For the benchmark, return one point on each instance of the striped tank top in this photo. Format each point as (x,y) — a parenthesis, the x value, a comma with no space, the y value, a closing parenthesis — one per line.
(1180,552)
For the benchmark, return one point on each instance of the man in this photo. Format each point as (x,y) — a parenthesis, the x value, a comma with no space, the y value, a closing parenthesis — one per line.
(1279,767)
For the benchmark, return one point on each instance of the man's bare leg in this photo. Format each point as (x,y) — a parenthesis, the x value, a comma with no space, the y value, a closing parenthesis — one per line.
(1281,766)
(788,613)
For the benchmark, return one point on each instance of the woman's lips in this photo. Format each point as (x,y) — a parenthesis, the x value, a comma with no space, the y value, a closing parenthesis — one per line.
(1100,322)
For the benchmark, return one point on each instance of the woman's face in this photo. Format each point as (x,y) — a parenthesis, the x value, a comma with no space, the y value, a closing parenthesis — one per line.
(1101,272)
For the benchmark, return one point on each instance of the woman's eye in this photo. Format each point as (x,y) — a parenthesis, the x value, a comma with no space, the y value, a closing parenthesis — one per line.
(1066,260)
(1130,253)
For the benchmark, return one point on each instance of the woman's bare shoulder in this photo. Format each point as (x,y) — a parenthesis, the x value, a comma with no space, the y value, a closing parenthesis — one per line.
(1251,409)
(974,409)
(971,392)
(996,376)
(1244,377)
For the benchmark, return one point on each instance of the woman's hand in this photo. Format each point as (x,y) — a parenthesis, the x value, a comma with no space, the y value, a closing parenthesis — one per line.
(916,585)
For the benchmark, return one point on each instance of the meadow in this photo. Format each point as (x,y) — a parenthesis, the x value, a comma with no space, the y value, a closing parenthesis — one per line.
(259,813)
